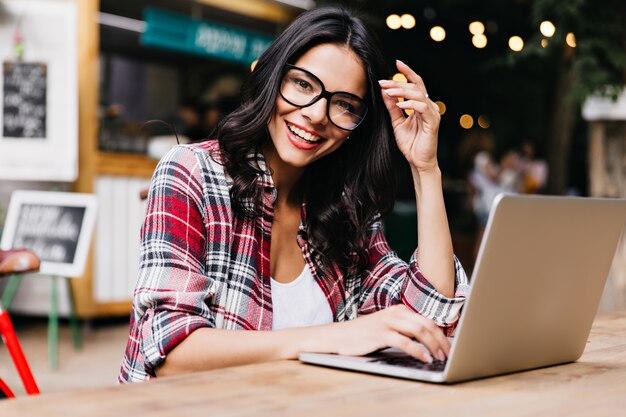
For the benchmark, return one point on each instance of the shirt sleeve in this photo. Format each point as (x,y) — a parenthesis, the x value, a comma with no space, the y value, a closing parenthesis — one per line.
(388,280)
(172,291)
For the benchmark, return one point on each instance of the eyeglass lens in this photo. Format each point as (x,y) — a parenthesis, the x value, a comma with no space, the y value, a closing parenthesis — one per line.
(302,89)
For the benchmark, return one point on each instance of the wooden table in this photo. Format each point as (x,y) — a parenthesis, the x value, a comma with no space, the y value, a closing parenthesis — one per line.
(593,386)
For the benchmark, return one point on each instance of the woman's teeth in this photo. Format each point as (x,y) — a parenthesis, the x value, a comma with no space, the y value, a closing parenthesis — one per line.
(306,136)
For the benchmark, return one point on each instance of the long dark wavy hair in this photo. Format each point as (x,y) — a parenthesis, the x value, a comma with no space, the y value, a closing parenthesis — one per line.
(345,191)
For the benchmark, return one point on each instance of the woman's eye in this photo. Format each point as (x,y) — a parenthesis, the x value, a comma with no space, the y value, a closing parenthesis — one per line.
(304,85)
(346,106)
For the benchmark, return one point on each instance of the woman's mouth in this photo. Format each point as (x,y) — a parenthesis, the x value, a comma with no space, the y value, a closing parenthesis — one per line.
(302,139)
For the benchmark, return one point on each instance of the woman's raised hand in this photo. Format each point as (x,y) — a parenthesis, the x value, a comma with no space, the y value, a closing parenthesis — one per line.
(397,327)
(416,135)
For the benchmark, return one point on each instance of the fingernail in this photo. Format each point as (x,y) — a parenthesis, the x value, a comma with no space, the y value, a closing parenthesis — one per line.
(383,82)
(440,355)
(397,60)
(429,359)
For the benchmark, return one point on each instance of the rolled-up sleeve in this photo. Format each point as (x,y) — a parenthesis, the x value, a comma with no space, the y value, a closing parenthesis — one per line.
(172,291)
(388,280)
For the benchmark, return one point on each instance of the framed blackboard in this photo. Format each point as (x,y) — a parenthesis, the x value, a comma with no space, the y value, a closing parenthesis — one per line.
(57,226)
(24,100)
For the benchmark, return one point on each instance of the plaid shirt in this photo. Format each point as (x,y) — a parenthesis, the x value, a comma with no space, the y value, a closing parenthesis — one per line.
(203,266)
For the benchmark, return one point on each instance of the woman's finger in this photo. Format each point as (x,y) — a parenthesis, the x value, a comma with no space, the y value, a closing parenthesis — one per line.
(406,344)
(411,324)
(411,75)
(425,332)
(398,84)
(407,93)
(396,114)
(425,110)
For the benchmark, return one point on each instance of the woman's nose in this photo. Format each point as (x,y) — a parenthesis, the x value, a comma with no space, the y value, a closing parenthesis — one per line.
(316,112)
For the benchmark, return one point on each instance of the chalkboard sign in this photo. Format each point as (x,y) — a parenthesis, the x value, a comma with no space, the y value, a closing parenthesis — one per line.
(56,226)
(24,100)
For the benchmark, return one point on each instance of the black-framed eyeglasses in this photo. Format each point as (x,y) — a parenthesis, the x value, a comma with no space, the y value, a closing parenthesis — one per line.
(300,88)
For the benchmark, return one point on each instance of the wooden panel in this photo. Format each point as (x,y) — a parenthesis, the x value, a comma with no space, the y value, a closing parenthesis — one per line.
(127,165)
(88,53)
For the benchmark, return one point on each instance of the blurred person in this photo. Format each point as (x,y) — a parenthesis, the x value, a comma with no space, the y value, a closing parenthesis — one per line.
(488,179)
(510,172)
(266,241)
(534,170)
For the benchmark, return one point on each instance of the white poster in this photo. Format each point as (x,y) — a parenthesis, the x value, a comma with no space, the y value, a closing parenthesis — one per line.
(39,91)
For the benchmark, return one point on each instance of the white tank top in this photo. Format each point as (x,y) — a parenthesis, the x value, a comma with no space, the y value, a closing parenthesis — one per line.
(299,303)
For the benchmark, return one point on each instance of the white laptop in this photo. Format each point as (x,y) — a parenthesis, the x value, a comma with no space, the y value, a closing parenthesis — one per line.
(536,286)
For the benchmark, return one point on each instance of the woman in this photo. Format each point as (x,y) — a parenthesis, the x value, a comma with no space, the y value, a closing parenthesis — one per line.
(275,226)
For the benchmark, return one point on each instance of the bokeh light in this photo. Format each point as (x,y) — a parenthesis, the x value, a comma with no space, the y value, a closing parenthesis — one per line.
(547,28)
(437,33)
(516,43)
(466,121)
(407,21)
(484,122)
(442,107)
(394,22)
(570,39)
(477,28)
(400,77)
(479,41)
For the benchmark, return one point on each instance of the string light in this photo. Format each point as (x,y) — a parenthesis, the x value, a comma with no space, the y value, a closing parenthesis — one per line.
(466,121)
(442,107)
(484,122)
(479,40)
(570,39)
(437,33)
(476,28)
(394,21)
(516,43)
(547,28)
(400,77)
(407,21)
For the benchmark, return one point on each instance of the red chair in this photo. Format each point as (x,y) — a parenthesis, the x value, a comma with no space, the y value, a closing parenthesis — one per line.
(16,261)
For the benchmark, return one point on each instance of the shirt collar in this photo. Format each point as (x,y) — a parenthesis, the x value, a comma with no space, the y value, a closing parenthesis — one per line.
(265,178)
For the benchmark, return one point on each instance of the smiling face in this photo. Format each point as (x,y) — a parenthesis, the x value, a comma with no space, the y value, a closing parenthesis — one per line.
(301,135)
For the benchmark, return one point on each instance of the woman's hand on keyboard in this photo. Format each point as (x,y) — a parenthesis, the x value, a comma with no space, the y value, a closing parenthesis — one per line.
(398,327)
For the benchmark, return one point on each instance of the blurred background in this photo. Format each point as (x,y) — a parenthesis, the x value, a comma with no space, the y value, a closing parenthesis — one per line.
(530,93)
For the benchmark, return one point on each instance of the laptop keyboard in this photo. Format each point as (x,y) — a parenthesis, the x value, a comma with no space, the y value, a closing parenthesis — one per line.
(411,362)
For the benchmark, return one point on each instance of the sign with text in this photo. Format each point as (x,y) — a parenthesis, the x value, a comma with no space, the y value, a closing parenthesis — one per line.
(202,37)
(56,226)
(39,93)
(24,100)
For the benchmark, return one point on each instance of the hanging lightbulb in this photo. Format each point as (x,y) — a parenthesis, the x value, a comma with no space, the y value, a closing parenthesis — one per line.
(442,107)
(477,28)
(400,77)
(407,21)
(516,43)
(570,39)
(466,121)
(547,28)
(479,40)
(437,33)
(394,22)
